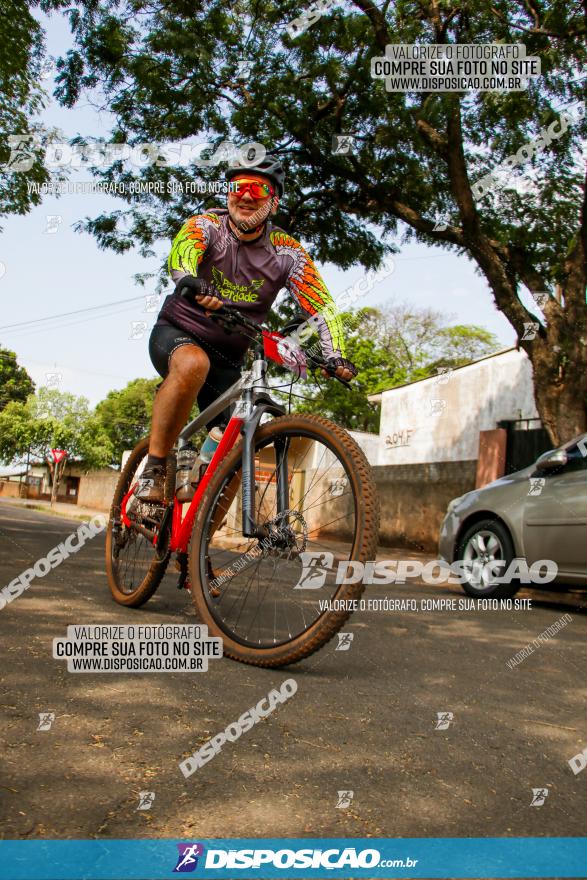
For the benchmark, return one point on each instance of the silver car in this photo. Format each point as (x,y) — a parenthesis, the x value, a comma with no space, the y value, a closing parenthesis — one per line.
(539,513)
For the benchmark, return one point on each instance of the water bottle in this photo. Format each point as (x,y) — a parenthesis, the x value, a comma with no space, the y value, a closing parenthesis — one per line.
(209,447)
(185,462)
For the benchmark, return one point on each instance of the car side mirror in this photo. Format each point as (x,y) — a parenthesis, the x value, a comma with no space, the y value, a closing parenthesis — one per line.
(554,458)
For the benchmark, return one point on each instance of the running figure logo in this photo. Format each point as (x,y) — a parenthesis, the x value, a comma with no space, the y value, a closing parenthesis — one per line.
(539,795)
(443,720)
(188,857)
(46,719)
(537,484)
(344,641)
(315,567)
(345,799)
(146,799)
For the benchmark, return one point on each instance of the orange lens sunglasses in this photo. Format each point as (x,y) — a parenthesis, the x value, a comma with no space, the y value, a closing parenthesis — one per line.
(256,188)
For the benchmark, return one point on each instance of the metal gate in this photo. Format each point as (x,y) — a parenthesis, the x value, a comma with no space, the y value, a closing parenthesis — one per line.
(526,440)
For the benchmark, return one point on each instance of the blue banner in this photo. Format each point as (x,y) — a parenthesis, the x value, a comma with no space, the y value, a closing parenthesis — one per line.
(500,857)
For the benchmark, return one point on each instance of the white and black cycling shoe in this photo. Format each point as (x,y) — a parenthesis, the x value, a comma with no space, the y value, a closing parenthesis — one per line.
(150,487)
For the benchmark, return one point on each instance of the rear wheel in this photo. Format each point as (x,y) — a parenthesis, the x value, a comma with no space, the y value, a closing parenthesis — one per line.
(135,567)
(276,600)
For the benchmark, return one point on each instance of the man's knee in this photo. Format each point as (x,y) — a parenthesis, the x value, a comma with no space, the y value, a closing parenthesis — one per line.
(189,363)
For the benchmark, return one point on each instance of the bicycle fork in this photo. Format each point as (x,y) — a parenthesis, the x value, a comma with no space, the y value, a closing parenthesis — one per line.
(260,403)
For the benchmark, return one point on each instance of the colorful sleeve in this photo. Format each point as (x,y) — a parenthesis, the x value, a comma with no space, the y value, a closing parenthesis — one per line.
(190,244)
(306,285)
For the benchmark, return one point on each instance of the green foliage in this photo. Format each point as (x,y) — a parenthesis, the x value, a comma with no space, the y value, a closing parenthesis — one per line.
(125,415)
(15,382)
(393,346)
(21,100)
(53,420)
(171,74)
(168,72)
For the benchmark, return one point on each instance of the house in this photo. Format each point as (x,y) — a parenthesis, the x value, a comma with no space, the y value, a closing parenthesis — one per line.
(445,435)
(92,488)
(11,480)
(39,481)
(442,418)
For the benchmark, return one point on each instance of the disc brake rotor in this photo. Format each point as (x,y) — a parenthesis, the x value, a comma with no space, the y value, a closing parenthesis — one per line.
(282,537)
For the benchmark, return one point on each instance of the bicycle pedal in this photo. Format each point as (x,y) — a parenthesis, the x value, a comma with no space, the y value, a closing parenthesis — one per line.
(183,581)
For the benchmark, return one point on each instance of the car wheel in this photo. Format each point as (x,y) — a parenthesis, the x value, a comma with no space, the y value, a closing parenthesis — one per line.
(485,542)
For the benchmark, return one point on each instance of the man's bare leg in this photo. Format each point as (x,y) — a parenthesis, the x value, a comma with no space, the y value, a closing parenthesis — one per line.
(188,368)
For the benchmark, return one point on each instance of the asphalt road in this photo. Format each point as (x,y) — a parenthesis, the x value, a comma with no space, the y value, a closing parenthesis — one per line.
(362,720)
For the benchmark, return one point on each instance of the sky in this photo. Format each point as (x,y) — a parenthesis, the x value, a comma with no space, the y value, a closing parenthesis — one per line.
(45,273)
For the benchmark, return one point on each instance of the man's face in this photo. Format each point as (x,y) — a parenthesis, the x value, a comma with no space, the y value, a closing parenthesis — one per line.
(242,209)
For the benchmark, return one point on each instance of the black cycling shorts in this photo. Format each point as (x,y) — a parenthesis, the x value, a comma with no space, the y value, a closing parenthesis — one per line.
(224,372)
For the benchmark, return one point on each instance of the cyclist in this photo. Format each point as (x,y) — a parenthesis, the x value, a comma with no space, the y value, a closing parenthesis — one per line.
(231,255)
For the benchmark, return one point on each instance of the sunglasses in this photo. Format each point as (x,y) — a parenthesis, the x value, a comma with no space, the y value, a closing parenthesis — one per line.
(255,188)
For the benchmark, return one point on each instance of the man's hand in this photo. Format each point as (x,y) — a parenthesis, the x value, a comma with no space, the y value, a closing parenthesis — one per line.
(209,303)
(343,368)
(203,292)
(341,372)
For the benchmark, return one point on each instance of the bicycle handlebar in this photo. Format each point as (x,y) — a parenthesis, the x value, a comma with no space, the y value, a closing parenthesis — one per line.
(230,317)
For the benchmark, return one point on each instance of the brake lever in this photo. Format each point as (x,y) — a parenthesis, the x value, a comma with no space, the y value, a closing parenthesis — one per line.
(321,365)
(342,381)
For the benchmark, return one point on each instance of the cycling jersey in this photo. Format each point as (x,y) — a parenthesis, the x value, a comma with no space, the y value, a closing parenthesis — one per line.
(250,275)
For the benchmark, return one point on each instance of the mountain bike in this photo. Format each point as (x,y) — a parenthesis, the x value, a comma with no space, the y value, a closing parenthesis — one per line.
(286,500)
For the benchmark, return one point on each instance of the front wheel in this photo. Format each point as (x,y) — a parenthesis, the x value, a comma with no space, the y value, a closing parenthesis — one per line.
(276,600)
(485,551)
(134,566)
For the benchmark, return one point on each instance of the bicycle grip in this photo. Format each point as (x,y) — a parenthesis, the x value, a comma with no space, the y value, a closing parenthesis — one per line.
(189,293)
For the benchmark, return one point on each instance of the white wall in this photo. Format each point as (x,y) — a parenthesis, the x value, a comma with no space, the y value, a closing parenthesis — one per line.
(369,443)
(439,419)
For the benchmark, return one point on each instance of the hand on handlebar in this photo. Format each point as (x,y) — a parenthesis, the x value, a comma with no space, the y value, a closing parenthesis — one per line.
(201,291)
(340,373)
(209,303)
(340,368)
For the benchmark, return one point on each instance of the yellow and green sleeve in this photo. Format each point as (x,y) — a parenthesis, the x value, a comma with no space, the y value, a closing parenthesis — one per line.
(306,285)
(189,245)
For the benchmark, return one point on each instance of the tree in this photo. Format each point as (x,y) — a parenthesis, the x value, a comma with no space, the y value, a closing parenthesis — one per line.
(170,71)
(392,346)
(15,382)
(21,100)
(125,415)
(418,342)
(53,420)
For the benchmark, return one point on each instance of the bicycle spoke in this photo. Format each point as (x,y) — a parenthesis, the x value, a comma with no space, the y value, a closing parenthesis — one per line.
(257,604)
(133,555)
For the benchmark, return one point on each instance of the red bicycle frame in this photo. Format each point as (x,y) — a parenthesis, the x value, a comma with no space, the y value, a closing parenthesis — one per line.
(252,403)
(181,526)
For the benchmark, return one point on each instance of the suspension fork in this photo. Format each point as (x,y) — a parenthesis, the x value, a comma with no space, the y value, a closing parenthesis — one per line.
(281,449)
(261,403)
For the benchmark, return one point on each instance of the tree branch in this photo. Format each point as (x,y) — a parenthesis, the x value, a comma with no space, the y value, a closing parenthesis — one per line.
(457,169)
(377,19)
(539,31)
(433,138)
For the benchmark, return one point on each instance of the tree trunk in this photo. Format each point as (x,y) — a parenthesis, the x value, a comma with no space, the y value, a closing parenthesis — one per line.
(56,480)
(560,387)
(54,485)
